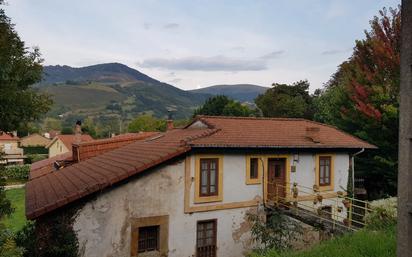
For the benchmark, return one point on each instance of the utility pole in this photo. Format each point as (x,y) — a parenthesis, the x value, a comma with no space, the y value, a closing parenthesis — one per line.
(404,239)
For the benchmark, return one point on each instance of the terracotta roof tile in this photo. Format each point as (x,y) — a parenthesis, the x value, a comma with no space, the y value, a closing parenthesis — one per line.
(275,132)
(57,188)
(86,150)
(8,137)
(98,172)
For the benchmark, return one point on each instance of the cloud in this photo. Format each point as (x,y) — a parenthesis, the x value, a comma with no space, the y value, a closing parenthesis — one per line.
(147,26)
(273,55)
(171,26)
(214,63)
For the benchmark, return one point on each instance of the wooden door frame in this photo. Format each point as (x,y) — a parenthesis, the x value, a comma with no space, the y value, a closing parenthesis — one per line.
(287,158)
(282,182)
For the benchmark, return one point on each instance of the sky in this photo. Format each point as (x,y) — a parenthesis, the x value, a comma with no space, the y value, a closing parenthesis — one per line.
(193,44)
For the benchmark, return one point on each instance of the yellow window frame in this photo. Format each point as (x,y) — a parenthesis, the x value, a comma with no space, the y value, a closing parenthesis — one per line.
(332,172)
(258,180)
(213,198)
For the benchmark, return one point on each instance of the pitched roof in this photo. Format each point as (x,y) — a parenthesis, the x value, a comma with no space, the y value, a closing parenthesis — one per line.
(56,189)
(86,150)
(274,133)
(68,140)
(34,140)
(46,166)
(7,137)
(61,187)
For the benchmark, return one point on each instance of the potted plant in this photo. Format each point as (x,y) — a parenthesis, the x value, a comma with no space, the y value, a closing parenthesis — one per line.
(346,203)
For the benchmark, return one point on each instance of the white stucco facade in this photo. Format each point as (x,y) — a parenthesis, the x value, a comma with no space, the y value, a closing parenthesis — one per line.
(57,147)
(104,226)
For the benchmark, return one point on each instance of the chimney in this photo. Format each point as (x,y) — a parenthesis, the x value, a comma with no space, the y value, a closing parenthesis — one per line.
(78,132)
(312,133)
(170,125)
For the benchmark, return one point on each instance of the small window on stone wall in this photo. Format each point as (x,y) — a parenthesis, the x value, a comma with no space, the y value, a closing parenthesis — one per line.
(148,239)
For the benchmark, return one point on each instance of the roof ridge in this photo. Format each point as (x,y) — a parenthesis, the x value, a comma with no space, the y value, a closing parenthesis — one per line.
(206,133)
(247,118)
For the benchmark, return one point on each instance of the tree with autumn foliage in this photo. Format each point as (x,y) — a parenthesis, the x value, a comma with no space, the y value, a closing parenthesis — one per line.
(362,98)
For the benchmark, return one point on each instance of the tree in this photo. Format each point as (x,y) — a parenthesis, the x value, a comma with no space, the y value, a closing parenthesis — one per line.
(221,105)
(19,103)
(147,123)
(362,98)
(20,68)
(284,100)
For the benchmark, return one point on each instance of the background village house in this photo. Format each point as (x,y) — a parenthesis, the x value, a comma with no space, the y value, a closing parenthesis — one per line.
(187,192)
(62,144)
(10,150)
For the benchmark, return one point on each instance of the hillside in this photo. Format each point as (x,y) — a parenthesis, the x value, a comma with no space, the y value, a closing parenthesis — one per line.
(113,89)
(240,92)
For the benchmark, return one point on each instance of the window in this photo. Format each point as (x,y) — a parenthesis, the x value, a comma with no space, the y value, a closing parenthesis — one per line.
(206,238)
(324,171)
(209,177)
(149,235)
(148,239)
(254,168)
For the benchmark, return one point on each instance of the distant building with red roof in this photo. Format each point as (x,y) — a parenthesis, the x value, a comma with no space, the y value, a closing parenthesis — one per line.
(63,143)
(10,151)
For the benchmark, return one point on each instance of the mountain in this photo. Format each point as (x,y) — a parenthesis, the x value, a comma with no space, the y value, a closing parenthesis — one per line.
(240,92)
(114,89)
(105,73)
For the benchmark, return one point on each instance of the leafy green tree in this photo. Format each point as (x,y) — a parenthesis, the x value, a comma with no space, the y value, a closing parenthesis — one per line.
(67,131)
(19,104)
(147,123)
(20,68)
(284,100)
(221,105)
(362,98)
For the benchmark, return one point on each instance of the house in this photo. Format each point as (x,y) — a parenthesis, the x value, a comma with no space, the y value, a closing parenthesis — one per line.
(34,144)
(61,144)
(187,192)
(34,140)
(10,152)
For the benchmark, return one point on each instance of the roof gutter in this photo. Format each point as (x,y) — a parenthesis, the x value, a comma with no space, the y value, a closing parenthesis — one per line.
(353,169)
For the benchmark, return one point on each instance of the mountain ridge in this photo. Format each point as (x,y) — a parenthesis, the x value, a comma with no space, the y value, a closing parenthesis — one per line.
(239,92)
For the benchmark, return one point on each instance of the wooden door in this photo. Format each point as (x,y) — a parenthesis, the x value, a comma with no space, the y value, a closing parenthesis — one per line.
(276,178)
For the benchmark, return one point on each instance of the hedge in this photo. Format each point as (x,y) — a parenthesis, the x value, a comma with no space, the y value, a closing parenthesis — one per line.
(18,172)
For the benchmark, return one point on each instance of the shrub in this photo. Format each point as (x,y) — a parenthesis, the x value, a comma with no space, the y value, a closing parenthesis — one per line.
(19,172)
(275,232)
(8,247)
(383,214)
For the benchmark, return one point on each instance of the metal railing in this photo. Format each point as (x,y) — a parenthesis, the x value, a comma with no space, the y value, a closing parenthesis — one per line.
(344,211)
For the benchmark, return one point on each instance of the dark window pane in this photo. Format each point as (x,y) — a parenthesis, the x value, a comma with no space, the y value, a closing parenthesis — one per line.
(254,166)
(277,171)
(324,170)
(206,239)
(148,239)
(208,177)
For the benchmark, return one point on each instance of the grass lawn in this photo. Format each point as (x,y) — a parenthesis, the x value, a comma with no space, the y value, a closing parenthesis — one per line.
(17,220)
(364,243)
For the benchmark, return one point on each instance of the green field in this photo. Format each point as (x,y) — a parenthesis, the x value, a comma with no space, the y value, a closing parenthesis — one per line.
(365,243)
(17,220)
